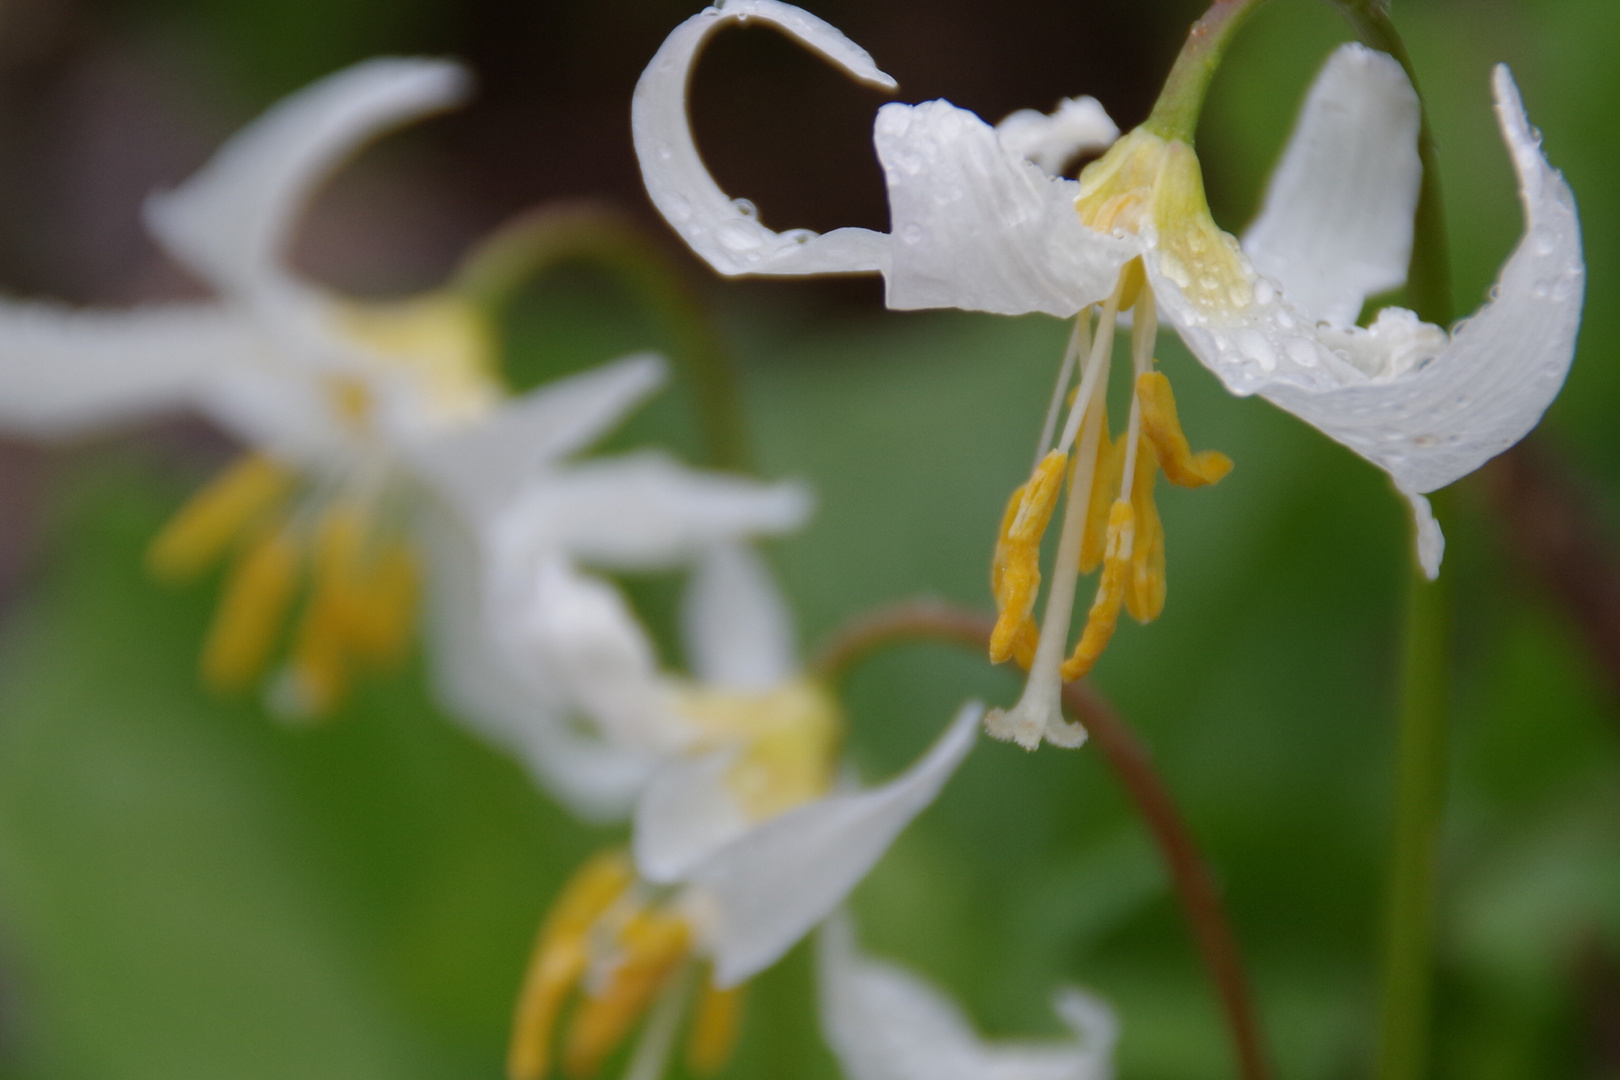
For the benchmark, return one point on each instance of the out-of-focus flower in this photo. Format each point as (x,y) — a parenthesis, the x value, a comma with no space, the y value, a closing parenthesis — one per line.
(884,1023)
(346,406)
(976,224)
(742,842)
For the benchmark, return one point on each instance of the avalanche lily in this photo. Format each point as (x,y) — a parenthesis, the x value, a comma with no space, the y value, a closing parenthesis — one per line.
(743,841)
(978,221)
(884,1023)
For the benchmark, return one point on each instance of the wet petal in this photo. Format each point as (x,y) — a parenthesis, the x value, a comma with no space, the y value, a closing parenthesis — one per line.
(884,1023)
(1336,225)
(722,230)
(644,510)
(737,628)
(976,226)
(231,222)
(770,887)
(480,467)
(1054,140)
(65,371)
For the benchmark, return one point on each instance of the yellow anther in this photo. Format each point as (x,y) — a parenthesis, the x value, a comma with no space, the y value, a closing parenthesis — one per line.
(1145,585)
(559,958)
(382,609)
(1159,423)
(652,944)
(250,611)
(1015,571)
(714,1030)
(205,527)
(1104,614)
(1104,486)
(1132,277)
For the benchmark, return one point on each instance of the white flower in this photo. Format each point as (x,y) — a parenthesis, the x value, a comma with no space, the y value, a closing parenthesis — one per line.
(347,407)
(977,224)
(742,841)
(884,1023)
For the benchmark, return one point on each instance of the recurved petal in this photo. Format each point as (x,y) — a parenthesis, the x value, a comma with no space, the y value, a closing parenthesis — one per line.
(726,231)
(1053,140)
(231,221)
(884,1023)
(685,815)
(1489,385)
(767,889)
(1336,225)
(65,371)
(976,226)
(736,626)
(479,468)
(644,510)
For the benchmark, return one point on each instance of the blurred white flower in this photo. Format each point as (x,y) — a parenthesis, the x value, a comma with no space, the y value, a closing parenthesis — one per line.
(978,222)
(884,1023)
(347,407)
(742,841)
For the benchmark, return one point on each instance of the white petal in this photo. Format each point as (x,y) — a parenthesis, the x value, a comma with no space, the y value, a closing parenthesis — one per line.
(724,231)
(65,371)
(578,631)
(1051,142)
(977,227)
(1336,225)
(509,705)
(770,887)
(232,220)
(736,626)
(686,814)
(644,511)
(482,467)
(884,1023)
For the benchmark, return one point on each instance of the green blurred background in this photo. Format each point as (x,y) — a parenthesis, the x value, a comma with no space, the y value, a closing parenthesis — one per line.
(188,889)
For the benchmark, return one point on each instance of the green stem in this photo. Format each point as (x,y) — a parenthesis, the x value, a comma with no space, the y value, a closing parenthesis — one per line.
(1420,787)
(497,269)
(1175,114)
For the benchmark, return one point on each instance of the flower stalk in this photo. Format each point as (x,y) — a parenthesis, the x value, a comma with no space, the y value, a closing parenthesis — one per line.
(1175,114)
(494,272)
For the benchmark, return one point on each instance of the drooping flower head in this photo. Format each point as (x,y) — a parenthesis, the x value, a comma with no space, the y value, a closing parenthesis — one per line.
(979,221)
(744,838)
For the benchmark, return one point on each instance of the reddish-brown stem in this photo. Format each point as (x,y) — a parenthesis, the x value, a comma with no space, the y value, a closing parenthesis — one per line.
(1128,756)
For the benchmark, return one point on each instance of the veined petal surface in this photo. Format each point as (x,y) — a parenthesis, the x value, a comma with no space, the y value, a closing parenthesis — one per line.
(232,220)
(884,1023)
(976,226)
(770,887)
(1336,224)
(735,622)
(725,231)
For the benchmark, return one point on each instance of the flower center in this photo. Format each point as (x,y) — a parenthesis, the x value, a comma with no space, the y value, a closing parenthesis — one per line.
(617,949)
(1110,519)
(358,572)
(440,345)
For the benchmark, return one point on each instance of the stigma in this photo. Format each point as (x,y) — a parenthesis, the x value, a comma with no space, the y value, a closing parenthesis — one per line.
(1110,523)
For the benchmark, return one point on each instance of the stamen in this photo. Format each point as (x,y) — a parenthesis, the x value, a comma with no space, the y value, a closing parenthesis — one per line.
(1181,466)
(654,943)
(1145,585)
(318,676)
(1015,571)
(1110,458)
(1104,614)
(1079,344)
(381,610)
(714,1030)
(559,960)
(199,534)
(255,599)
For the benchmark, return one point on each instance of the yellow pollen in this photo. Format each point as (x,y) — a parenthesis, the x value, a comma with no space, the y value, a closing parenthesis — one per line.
(1145,585)
(1104,614)
(255,598)
(1015,572)
(559,959)
(714,1030)
(652,944)
(211,520)
(1104,486)
(1160,424)
(789,738)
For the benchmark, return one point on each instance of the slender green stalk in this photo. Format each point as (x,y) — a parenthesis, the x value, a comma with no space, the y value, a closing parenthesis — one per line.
(1404,1048)
(1175,114)
(494,272)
